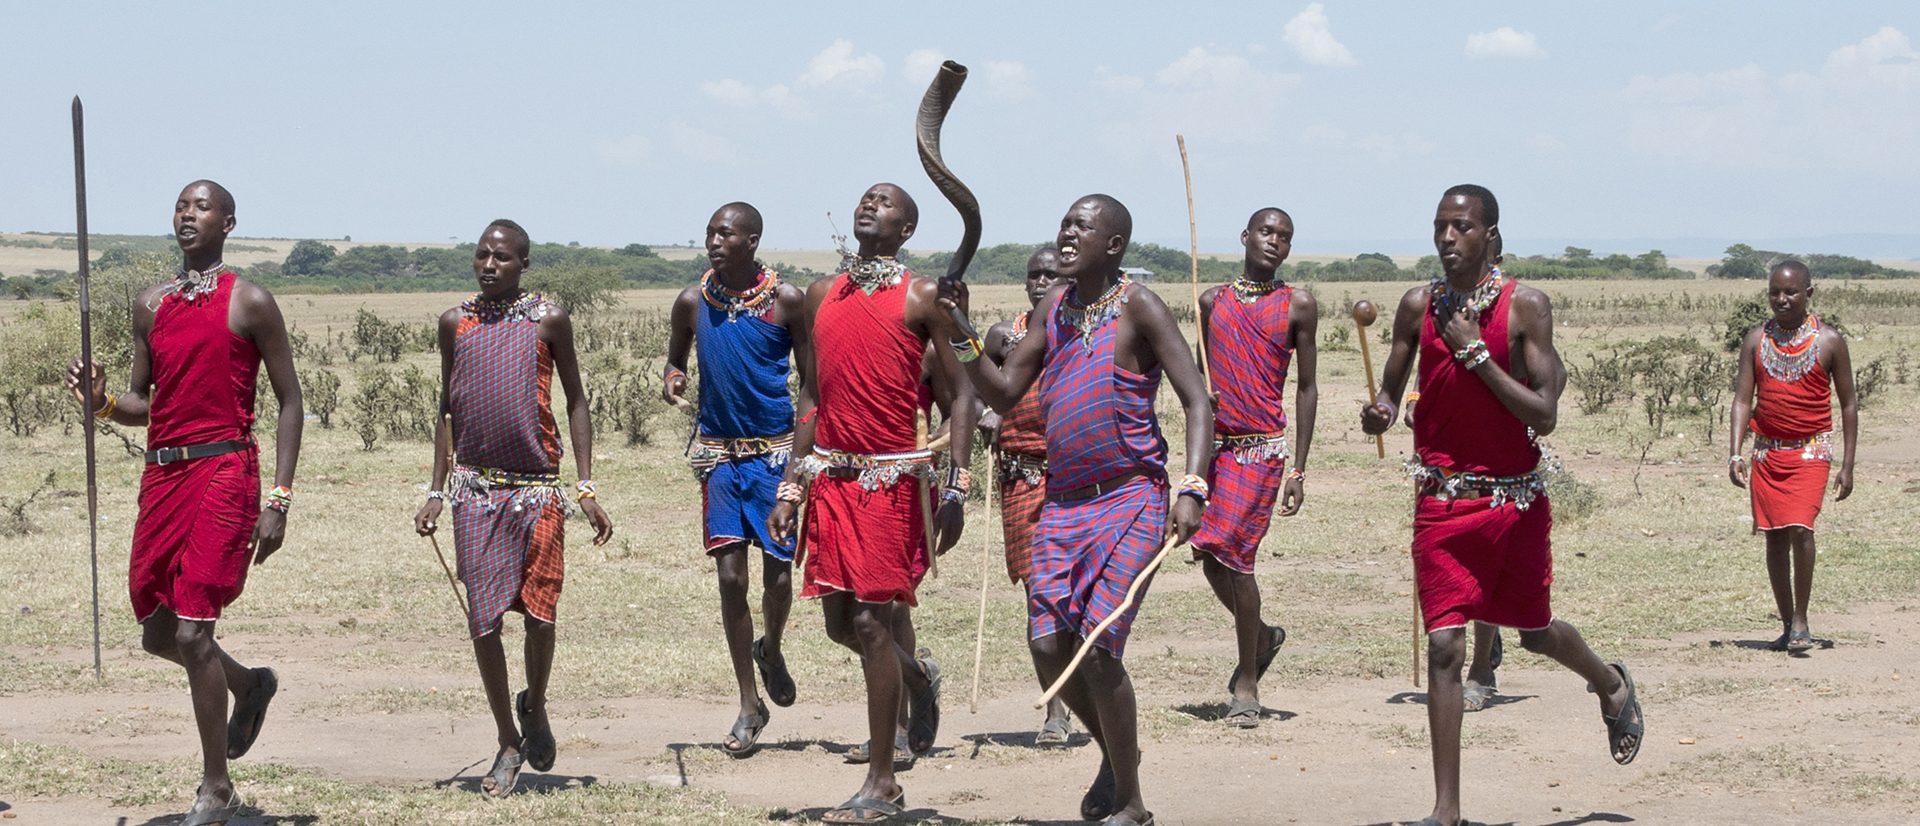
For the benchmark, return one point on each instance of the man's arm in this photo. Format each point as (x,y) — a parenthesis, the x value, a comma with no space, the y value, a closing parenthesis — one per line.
(264,325)
(427,520)
(988,421)
(1206,332)
(1376,417)
(89,382)
(673,381)
(1159,334)
(1303,327)
(1002,386)
(1841,369)
(780,521)
(931,321)
(1743,389)
(1536,403)
(556,329)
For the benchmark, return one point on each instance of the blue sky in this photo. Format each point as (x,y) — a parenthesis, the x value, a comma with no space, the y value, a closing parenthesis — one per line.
(606,123)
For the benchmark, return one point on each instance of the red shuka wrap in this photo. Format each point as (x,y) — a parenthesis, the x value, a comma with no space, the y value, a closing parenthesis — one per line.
(191,539)
(1249,349)
(1022,432)
(868,541)
(1473,561)
(1788,486)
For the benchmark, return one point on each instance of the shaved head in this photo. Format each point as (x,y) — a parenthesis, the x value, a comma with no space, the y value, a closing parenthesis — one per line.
(221,196)
(1792,268)
(1114,217)
(750,221)
(908,206)
(524,242)
(1260,215)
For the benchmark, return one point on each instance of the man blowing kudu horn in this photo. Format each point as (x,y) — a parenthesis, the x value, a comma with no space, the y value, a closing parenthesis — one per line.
(198,343)
(866,541)
(1490,382)
(745,322)
(1104,343)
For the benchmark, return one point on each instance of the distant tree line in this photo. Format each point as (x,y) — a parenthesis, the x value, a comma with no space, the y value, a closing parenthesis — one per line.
(385,268)
(1743,261)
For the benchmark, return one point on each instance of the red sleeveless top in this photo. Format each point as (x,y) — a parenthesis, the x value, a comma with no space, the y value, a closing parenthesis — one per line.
(203,373)
(1789,410)
(868,364)
(1458,424)
(1249,353)
(1024,429)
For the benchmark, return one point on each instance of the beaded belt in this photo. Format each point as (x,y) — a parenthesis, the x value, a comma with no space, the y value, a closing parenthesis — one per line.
(471,484)
(874,471)
(1253,447)
(1818,446)
(709,451)
(1024,466)
(1521,490)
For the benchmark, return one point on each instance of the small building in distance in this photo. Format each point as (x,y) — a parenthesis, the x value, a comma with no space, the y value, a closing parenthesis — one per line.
(1137,273)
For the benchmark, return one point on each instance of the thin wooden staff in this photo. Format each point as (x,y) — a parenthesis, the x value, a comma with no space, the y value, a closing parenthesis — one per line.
(926,492)
(86,366)
(1419,619)
(1193,236)
(986,571)
(1363,317)
(446,420)
(1133,591)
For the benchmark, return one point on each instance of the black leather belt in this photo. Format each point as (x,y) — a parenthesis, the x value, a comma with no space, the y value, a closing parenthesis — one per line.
(169,455)
(1090,491)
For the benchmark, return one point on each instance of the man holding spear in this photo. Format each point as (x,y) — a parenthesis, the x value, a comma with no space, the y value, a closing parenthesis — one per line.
(1490,382)
(1104,345)
(198,343)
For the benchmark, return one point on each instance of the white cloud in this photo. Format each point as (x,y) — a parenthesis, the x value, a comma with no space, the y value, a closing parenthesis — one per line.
(729,91)
(627,151)
(1220,98)
(1007,79)
(700,145)
(784,101)
(1504,42)
(1861,110)
(836,64)
(1123,84)
(921,66)
(1310,37)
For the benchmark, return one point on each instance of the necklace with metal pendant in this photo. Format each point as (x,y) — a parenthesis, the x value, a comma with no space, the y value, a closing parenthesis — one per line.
(1092,316)
(192,285)
(872,274)
(524,305)
(754,301)
(1250,291)
(1791,361)
(1446,300)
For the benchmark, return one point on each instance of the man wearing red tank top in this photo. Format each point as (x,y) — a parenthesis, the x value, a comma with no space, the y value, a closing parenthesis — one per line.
(198,343)
(1490,383)
(1788,401)
(865,533)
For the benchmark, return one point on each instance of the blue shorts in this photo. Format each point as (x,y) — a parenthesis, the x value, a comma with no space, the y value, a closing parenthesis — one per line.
(738,496)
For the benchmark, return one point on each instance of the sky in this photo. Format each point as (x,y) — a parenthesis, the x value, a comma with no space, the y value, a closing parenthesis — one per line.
(1623,124)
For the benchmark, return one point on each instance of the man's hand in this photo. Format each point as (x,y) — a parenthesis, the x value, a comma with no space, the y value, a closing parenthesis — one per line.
(953,293)
(1461,330)
(1843,482)
(780,521)
(1737,471)
(1292,494)
(952,519)
(94,396)
(1184,522)
(597,517)
(268,532)
(1375,418)
(428,519)
(989,423)
(674,390)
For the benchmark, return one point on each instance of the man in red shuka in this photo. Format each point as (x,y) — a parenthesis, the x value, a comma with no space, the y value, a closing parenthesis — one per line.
(199,341)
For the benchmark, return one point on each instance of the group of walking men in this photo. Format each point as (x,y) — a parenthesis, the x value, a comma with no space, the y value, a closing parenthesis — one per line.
(839,478)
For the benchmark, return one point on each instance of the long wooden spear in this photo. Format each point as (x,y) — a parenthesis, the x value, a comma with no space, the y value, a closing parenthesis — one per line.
(86,369)
(1193,237)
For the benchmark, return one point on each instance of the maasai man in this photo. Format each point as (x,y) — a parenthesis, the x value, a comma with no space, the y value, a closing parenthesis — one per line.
(866,538)
(1253,337)
(1791,368)
(1103,348)
(746,321)
(1490,382)
(198,344)
(499,353)
(1021,438)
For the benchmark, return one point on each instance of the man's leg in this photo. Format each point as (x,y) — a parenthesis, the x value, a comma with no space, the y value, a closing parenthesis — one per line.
(1051,654)
(1056,707)
(776,604)
(1446,649)
(1481,669)
(492,659)
(538,651)
(1780,571)
(872,626)
(1802,541)
(207,681)
(1241,596)
(1106,683)
(737,620)
(157,636)
(1562,642)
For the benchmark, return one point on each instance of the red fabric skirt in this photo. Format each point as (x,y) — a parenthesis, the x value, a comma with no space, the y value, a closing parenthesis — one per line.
(1473,562)
(1239,509)
(511,556)
(1788,490)
(192,540)
(1019,512)
(869,542)
(1087,553)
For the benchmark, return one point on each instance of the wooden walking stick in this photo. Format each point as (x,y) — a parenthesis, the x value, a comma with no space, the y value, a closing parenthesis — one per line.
(1193,236)
(986,571)
(926,493)
(1133,591)
(86,368)
(447,420)
(1363,317)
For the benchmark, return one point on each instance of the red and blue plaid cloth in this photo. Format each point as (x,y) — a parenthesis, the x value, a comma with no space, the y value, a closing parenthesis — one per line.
(1087,553)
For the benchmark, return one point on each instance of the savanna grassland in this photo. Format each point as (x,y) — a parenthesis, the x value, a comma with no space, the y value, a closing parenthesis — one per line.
(381,719)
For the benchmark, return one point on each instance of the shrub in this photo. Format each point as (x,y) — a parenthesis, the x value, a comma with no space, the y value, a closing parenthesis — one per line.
(320,389)
(377,337)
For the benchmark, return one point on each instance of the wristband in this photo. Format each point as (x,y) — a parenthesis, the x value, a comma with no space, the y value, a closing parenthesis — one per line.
(952,495)
(1478,359)
(1736,459)
(673,371)
(280,498)
(1298,475)
(968,350)
(1413,397)
(959,478)
(790,492)
(1194,486)
(437,495)
(106,410)
(585,489)
(1473,354)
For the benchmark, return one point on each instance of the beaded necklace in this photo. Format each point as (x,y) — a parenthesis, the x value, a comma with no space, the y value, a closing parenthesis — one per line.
(1250,291)
(1445,300)
(1092,316)
(872,274)
(1019,332)
(192,285)
(526,305)
(754,301)
(1792,360)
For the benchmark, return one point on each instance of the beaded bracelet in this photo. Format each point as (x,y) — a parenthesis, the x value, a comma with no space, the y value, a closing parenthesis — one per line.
(790,492)
(968,350)
(1413,397)
(586,490)
(106,410)
(1478,359)
(437,495)
(1194,486)
(1472,355)
(1298,474)
(280,498)
(952,495)
(959,478)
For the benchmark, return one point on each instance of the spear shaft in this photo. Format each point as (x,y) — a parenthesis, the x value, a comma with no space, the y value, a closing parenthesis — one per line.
(86,360)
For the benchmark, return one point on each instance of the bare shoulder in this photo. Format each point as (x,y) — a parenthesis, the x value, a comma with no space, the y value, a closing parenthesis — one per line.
(1208,295)
(252,296)
(1529,303)
(1143,295)
(1831,338)
(452,316)
(787,293)
(689,297)
(1304,303)
(554,319)
(1414,299)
